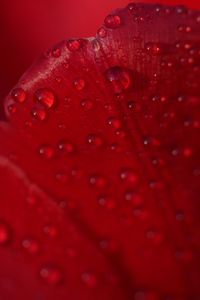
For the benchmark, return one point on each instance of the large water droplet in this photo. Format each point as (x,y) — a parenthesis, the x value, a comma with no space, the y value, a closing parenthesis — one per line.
(119,78)
(112,21)
(46,97)
(18,95)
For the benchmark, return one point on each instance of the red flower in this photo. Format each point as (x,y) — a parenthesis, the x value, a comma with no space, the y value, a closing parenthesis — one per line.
(99,163)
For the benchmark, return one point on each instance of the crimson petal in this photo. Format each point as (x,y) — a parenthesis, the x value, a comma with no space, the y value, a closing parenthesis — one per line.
(107,128)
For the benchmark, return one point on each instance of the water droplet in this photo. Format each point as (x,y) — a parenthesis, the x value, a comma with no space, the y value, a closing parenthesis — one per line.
(79,84)
(31,246)
(56,52)
(39,113)
(66,146)
(87,104)
(97,180)
(129,176)
(107,202)
(95,140)
(18,95)
(132,6)
(46,151)
(112,21)
(119,78)
(153,48)
(51,275)
(46,97)
(102,32)
(5,235)
(51,230)
(73,45)
(89,279)
(114,122)
(12,108)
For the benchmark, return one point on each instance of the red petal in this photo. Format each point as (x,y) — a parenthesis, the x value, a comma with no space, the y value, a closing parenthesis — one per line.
(109,127)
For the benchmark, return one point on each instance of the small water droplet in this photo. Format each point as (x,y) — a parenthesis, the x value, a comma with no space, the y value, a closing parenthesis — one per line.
(79,84)
(107,202)
(153,48)
(119,78)
(89,279)
(95,140)
(114,122)
(87,104)
(129,176)
(31,246)
(56,52)
(51,275)
(102,32)
(18,95)
(51,230)
(73,45)
(46,151)
(45,97)
(97,180)
(5,234)
(12,108)
(112,21)
(39,113)
(66,146)
(132,6)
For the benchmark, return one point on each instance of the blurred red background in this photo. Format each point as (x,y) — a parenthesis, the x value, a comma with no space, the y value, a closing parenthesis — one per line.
(29,27)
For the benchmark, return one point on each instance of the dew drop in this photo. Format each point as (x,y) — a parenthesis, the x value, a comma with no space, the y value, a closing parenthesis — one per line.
(50,230)
(114,122)
(153,48)
(73,45)
(51,275)
(66,146)
(87,104)
(119,78)
(56,52)
(46,151)
(31,246)
(97,180)
(131,6)
(95,140)
(5,235)
(129,176)
(107,202)
(18,95)
(102,32)
(12,108)
(79,84)
(112,21)
(89,279)
(46,97)
(39,113)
